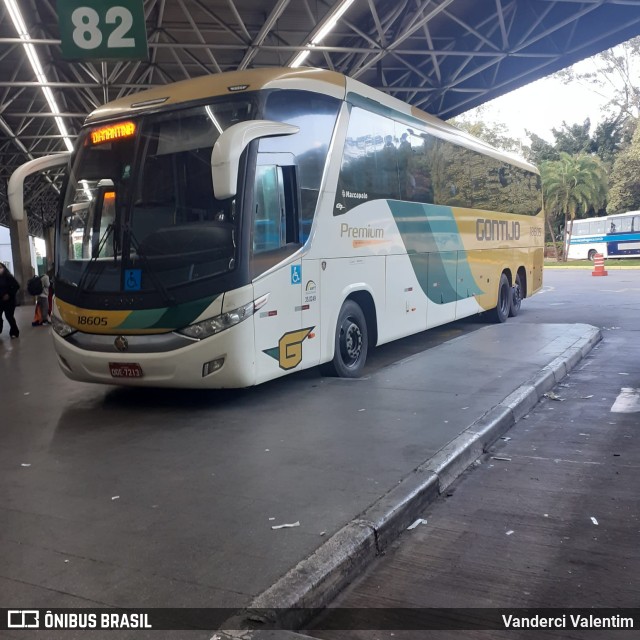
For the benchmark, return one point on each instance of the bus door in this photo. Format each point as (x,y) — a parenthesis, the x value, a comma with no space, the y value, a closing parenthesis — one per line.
(277,274)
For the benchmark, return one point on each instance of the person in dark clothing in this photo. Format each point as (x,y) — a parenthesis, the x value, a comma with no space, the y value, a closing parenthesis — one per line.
(8,288)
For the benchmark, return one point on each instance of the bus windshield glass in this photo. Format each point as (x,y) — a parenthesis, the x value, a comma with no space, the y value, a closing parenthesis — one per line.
(139,212)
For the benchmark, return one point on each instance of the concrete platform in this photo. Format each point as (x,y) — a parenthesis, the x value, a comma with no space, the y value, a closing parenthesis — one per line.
(547,520)
(144,498)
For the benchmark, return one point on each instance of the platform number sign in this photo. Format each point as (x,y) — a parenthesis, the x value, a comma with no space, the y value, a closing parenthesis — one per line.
(103,29)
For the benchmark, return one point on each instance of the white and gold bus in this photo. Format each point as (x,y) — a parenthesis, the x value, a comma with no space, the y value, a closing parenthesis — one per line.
(227,230)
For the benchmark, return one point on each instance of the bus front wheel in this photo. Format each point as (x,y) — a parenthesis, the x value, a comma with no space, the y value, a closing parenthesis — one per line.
(501,312)
(592,254)
(351,343)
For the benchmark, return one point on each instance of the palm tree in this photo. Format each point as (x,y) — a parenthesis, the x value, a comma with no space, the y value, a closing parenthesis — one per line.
(571,186)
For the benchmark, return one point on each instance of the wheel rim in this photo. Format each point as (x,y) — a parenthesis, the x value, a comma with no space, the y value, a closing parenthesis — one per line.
(350,342)
(517,296)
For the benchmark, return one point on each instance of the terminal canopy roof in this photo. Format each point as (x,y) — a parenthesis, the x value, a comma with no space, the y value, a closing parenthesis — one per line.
(444,56)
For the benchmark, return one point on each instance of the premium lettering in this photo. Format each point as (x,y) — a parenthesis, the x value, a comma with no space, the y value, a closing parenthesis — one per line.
(360,232)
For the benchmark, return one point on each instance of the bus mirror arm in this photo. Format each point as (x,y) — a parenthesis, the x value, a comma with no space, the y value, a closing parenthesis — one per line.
(15,188)
(225,157)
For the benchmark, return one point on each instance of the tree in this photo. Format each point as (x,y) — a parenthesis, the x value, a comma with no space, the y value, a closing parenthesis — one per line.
(540,150)
(613,73)
(571,186)
(625,179)
(610,137)
(496,135)
(573,139)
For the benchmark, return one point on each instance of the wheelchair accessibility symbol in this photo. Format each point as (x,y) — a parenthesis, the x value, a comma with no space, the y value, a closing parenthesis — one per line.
(296,274)
(132,279)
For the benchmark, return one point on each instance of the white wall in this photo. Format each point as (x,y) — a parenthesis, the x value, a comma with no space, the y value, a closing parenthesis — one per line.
(37,248)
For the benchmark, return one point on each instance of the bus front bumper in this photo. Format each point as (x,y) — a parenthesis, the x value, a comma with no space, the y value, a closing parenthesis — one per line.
(224,360)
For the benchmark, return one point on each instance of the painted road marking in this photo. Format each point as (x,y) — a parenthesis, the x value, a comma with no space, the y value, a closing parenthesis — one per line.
(628,401)
(620,290)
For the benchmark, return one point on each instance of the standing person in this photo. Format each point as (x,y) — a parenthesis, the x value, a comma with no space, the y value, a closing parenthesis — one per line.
(51,291)
(43,298)
(8,288)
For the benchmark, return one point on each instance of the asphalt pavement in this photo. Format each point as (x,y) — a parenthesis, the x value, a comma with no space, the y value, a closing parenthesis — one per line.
(120,497)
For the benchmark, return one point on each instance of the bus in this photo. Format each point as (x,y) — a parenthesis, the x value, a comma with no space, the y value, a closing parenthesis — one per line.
(615,236)
(230,229)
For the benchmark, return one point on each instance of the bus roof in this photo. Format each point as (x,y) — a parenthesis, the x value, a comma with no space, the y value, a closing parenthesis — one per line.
(222,84)
(607,217)
(309,79)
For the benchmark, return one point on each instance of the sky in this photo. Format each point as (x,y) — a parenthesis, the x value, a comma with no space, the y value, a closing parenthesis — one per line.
(543,105)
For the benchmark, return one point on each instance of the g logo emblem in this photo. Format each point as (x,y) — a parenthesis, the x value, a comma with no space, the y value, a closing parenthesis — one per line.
(290,346)
(121,344)
(288,353)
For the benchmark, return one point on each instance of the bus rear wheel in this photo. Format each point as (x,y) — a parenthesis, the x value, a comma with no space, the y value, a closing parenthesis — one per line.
(516,297)
(501,312)
(351,343)
(592,254)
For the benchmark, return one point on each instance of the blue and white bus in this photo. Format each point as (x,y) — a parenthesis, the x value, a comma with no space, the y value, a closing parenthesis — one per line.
(616,236)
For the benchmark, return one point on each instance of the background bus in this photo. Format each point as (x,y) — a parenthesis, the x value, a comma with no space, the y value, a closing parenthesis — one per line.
(616,236)
(227,230)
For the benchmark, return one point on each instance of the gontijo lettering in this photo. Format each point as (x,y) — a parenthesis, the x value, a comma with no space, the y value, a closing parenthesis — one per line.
(497,229)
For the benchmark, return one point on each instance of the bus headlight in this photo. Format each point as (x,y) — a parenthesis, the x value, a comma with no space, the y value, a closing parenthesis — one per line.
(61,327)
(214,325)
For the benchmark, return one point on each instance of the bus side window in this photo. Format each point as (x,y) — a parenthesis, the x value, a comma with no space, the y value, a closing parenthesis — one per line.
(621,225)
(636,223)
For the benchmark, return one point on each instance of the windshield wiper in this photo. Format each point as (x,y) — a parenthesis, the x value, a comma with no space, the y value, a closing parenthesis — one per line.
(168,298)
(94,258)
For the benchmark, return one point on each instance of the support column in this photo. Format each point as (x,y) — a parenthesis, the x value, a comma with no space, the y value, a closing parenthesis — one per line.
(21,250)
(49,244)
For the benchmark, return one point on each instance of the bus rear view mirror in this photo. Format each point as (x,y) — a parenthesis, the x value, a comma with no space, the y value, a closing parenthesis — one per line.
(225,157)
(15,188)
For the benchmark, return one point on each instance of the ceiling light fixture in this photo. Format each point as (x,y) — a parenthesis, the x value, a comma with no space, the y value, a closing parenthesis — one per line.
(321,31)
(32,56)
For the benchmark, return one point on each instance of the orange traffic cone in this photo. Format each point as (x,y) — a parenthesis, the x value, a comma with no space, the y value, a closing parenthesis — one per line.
(598,265)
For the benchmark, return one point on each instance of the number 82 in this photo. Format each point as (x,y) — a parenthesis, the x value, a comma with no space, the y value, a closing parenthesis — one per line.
(87,34)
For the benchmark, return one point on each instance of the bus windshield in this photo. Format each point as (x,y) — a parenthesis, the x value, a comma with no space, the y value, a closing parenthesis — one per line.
(139,212)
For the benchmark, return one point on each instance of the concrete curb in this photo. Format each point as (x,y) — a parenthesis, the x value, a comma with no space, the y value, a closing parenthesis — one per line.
(317,580)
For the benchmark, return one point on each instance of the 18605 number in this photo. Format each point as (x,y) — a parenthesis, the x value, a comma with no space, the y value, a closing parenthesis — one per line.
(94,321)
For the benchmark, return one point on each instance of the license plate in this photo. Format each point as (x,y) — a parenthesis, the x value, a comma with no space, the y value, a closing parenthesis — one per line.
(125,370)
